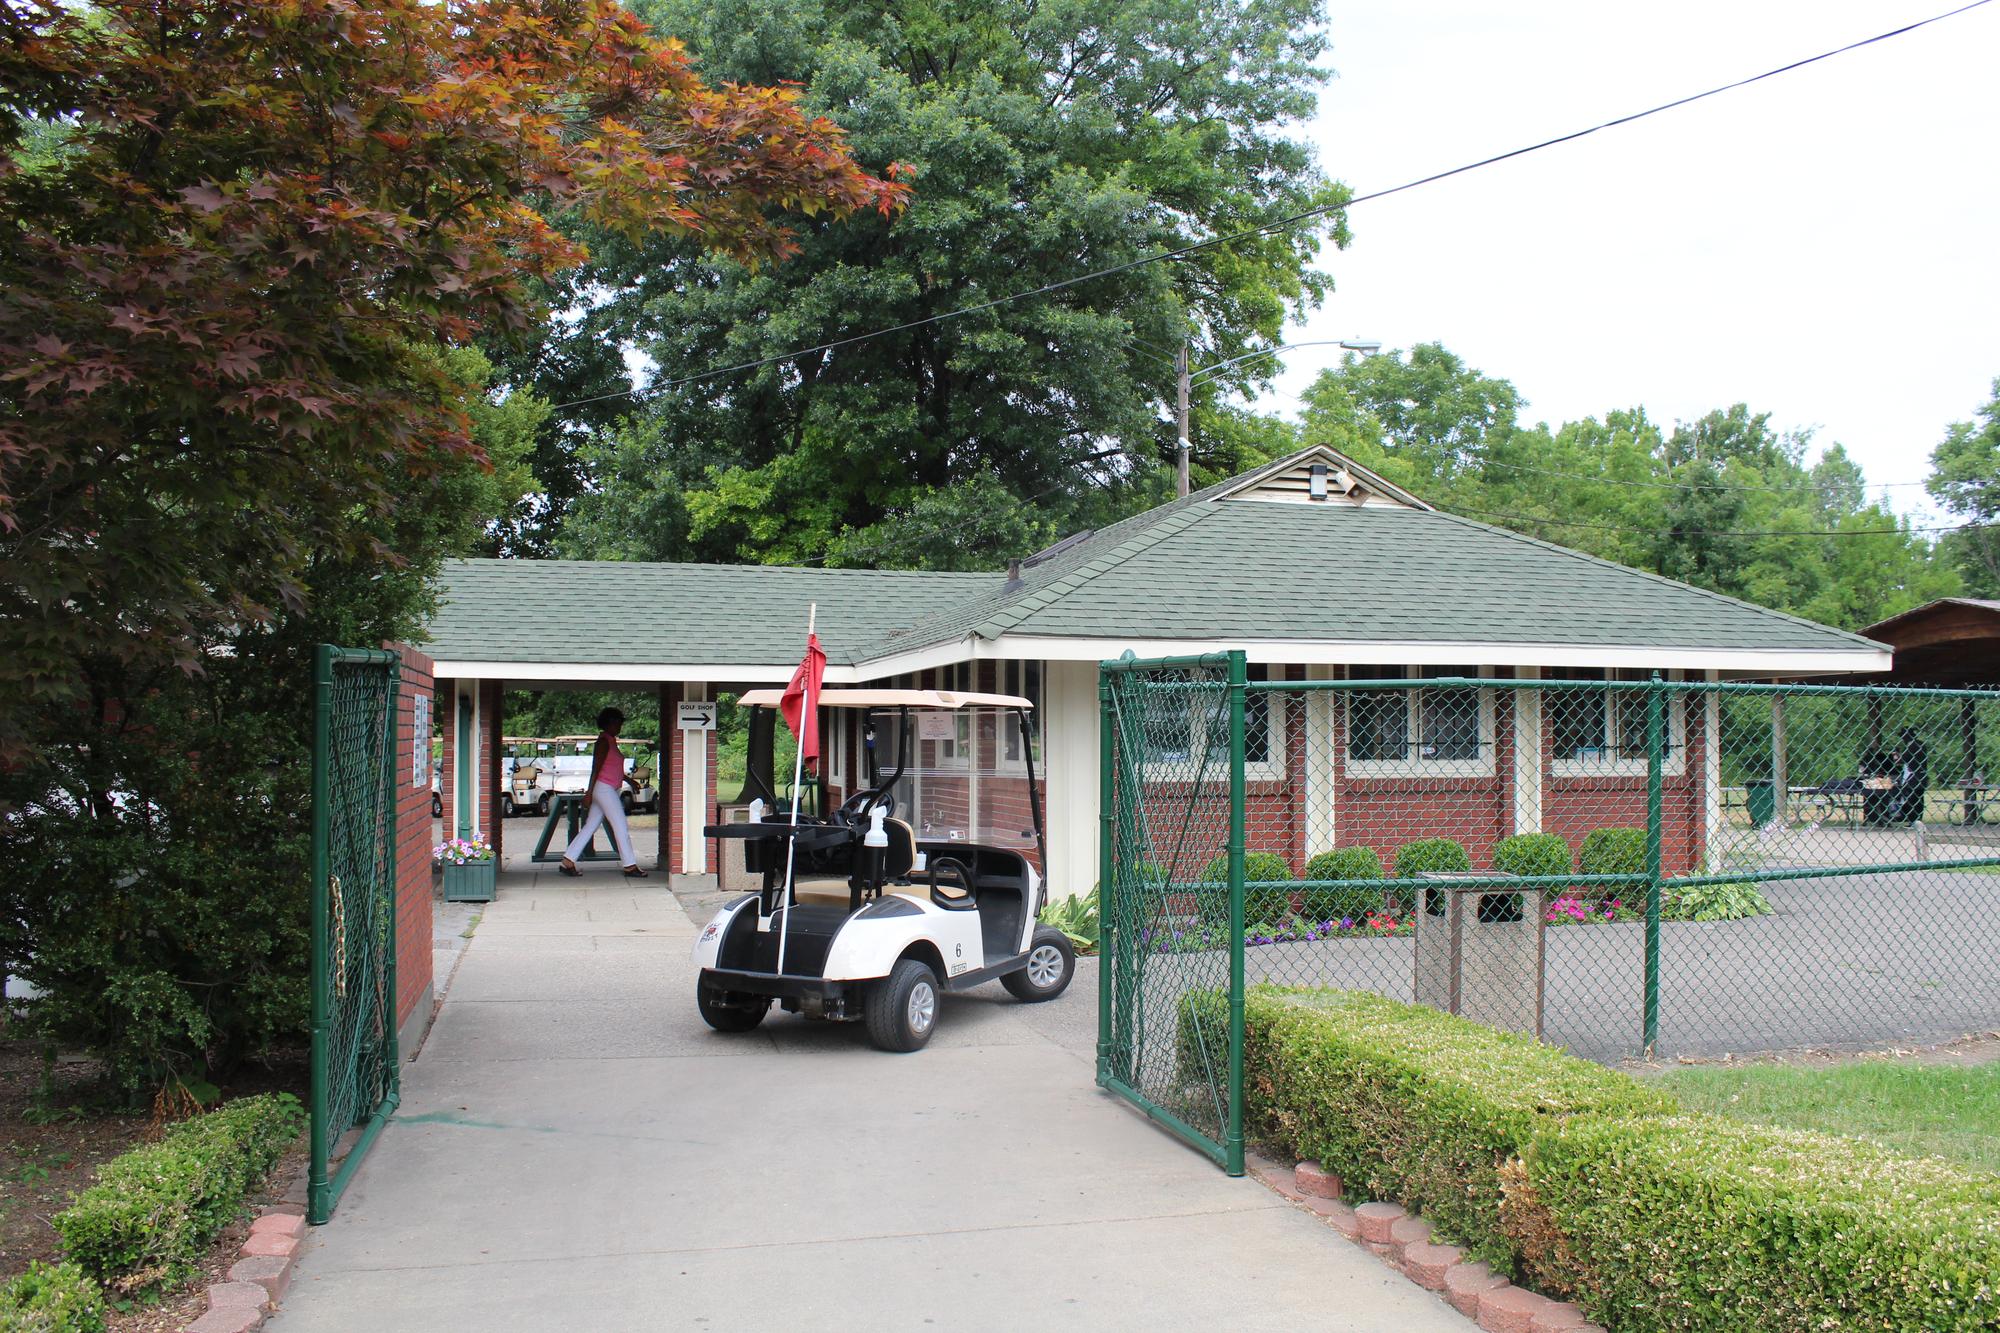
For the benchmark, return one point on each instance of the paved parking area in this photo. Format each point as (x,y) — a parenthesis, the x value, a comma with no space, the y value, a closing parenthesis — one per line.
(576,1149)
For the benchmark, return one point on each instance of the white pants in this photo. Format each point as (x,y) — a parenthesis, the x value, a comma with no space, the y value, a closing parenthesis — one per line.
(604,809)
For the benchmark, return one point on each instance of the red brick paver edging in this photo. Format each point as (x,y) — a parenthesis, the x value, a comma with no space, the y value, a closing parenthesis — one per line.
(262,1271)
(1404,1242)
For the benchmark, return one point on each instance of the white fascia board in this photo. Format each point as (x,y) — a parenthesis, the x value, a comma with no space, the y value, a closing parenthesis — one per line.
(1761,661)
(598,674)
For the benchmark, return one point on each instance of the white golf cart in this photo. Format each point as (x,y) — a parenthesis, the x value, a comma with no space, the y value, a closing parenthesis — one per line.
(917,884)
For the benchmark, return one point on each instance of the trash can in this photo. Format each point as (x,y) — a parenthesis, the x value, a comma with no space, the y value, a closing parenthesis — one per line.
(1481,952)
(1761,795)
(731,876)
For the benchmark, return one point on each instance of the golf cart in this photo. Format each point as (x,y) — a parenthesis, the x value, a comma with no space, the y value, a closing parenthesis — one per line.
(916,884)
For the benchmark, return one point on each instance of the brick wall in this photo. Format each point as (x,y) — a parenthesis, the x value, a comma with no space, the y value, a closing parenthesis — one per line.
(413,837)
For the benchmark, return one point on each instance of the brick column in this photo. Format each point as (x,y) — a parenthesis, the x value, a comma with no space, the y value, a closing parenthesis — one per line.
(488,782)
(672,755)
(413,842)
(444,716)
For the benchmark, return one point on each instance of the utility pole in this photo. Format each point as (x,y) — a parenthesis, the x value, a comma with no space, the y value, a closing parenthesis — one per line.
(1181,374)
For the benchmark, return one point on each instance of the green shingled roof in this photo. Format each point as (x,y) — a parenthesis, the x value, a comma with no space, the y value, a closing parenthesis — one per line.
(1208,567)
(633,613)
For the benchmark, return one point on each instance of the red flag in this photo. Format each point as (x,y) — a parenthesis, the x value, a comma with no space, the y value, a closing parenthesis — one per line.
(805,681)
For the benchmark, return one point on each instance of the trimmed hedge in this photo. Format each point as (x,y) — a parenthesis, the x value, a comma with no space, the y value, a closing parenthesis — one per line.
(1540,855)
(1697,1223)
(1431,855)
(1613,851)
(51,1298)
(149,1219)
(1270,906)
(1341,904)
(1411,1104)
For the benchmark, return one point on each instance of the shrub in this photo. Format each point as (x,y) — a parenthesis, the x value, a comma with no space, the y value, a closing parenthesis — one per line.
(1342,904)
(1540,855)
(1414,1105)
(51,1298)
(1431,856)
(1269,906)
(1698,1223)
(1613,851)
(153,1211)
(1712,902)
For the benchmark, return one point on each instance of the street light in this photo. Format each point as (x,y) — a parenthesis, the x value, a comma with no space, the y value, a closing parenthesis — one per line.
(1186,381)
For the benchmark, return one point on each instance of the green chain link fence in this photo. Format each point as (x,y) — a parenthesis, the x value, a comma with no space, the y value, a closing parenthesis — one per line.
(354,1059)
(1626,866)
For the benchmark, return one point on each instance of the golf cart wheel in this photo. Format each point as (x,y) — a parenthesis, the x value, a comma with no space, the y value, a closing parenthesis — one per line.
(542,805)
(506,806)
(738,1017)
(625,801)
(1051,964)
(903,1007)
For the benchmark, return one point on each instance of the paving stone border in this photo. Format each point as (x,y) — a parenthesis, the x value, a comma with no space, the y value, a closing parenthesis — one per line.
(263,1268)
(1404,1243)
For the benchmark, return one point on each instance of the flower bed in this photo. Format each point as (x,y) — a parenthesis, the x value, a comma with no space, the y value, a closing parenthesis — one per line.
(1197,935)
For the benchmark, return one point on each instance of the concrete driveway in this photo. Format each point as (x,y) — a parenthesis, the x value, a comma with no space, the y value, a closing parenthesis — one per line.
(575,1149)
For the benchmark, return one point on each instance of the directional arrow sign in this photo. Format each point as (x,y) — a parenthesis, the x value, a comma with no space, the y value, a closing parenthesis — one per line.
(698,715)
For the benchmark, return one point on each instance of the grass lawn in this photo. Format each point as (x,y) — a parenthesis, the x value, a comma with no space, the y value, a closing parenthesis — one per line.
(1938,1110)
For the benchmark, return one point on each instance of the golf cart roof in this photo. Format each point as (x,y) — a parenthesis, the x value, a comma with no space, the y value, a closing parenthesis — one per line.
(892,699)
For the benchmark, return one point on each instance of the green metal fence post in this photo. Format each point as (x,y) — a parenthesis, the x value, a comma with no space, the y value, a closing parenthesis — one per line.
(1656,730)
(1107,893)
(319,1199)
(1232,1143)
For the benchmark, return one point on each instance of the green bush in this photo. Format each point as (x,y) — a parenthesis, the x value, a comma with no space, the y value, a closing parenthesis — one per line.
(1540,855)
(1428,856)
(1613,851)
(150,1217)
(1342,904)
(1413,1105)
(1270,906)
(1712,902)
(1696,1223)
(51,1298)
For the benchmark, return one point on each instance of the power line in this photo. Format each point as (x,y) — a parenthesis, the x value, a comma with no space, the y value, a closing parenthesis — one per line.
(1802,488)
(1278,224)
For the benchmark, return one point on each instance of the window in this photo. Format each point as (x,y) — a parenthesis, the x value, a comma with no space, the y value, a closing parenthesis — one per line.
(1604,731)
(1023,680)
(1415,731)
(1200,727)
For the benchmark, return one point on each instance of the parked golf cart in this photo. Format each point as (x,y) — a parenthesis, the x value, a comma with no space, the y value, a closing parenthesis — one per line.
(917,884)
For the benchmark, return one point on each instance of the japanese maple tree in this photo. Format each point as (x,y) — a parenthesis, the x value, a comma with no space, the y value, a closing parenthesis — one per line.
(229,231)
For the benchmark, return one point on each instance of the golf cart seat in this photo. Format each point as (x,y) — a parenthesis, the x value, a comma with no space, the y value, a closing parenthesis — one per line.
(897,860)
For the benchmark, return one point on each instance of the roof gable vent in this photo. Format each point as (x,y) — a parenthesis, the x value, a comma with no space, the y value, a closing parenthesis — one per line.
(1318,480)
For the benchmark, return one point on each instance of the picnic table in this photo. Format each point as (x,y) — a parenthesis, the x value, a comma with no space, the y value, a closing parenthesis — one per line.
(569,805)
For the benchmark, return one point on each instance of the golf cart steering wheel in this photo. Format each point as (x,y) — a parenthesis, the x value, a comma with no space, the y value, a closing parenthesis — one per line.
(857,805)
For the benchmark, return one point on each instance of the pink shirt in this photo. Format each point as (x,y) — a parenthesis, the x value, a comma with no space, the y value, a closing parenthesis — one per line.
(611,769)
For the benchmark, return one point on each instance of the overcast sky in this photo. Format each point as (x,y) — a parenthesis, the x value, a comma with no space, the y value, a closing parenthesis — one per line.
(1824,246)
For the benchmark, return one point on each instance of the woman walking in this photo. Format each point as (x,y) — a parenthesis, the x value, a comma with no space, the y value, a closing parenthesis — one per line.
(607,778)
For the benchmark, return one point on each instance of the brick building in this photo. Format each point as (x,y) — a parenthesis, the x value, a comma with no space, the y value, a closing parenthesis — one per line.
(1313,565)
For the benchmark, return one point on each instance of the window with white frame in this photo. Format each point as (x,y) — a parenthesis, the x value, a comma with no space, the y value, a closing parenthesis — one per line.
(1603,732)
(1413,731)
(1023,680)
(1174,737)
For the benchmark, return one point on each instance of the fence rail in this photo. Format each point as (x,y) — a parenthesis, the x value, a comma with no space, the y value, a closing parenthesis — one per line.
(1559,855)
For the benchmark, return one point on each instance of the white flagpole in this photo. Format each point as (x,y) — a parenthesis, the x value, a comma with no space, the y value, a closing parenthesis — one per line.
(806,705)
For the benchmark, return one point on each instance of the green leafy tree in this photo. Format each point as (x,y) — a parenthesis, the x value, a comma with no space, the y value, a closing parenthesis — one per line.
(1965,480)
(1045,140)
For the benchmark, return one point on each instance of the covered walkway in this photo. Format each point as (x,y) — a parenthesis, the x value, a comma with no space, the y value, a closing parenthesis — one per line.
(576,1150)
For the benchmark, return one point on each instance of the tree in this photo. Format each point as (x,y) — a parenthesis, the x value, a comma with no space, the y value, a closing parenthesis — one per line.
(1965,480)
(1047,140)
(244,248)
(1722,502)
(218,287)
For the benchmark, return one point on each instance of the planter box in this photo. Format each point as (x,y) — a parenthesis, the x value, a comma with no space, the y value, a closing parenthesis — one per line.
(471,883)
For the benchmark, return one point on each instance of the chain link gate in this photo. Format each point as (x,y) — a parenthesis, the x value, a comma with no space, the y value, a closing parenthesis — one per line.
(355,1067)
(1170,1021)
(1620,863)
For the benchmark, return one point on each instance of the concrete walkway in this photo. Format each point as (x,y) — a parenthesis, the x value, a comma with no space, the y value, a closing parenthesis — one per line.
(575,1149)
